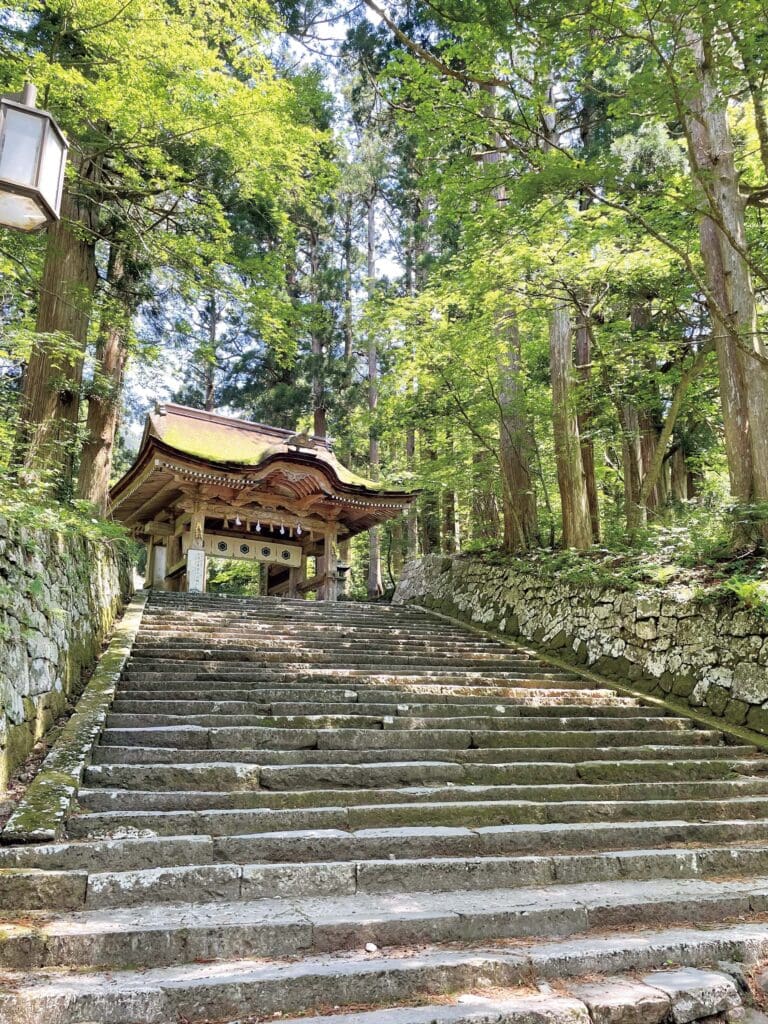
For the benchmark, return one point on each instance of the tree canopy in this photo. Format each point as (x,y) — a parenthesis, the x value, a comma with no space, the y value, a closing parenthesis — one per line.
(509,255)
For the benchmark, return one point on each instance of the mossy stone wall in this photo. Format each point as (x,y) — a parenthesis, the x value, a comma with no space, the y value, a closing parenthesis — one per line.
(59,595)
(708,653)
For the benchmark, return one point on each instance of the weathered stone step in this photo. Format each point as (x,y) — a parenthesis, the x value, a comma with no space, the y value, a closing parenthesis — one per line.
(225,991)
(108,753)
(683,994)
(308,714)
(303,676)
(294,738)
(179,658)
(240,797)
(473,814)
(426,702)
(687,839)
(391,719)
(165,935)
(319,630)
(231,881)
(524,691)
(35,889)
(323,640)
(226,776)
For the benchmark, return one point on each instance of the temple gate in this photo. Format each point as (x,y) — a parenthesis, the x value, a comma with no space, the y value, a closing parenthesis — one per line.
(205,485)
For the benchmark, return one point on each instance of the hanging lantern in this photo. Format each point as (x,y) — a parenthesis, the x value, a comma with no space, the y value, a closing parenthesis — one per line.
(238,521)
(33,153)
(298,530)
(258,527)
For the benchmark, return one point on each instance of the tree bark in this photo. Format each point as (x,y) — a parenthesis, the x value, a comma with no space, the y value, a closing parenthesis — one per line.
(741,353)
(680,475)
(636,454)
(516,447)
(319,411)
(50,404)
(430,508)
(209,376)
(584,370)
(656,465)
(375,585)
(632,460)
(412,521)
(104,400)
(577,527)
(486,525)
(516,444)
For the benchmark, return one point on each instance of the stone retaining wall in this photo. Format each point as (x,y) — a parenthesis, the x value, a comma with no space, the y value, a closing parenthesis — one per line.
(59,595)
(665,641)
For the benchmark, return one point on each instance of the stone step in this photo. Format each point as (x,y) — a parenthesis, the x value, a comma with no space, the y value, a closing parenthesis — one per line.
(317,631)
(682,995)
(524,691)
(369,776)
(385,717)
(472,814)
(108,753)
(322,640)
(302,675)
(231,881)
(443,715)
(688,839)
(427,703)
(240,794)
(170,934)
(226,991)
(181,659)
(75,890)
(294,738)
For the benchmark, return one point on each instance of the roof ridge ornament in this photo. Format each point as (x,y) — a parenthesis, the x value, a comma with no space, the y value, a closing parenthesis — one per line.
(301,441)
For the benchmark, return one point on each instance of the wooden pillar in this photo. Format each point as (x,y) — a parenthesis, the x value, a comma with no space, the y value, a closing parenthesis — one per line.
(196,557)
(330,565)
(159,565)
(149,571)
(295,577)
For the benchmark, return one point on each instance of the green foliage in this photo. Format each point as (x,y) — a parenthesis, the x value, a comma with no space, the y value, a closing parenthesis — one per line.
(27,509)
(233,576)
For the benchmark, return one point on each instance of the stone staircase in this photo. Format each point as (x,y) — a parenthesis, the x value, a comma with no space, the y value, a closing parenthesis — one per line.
(368,813)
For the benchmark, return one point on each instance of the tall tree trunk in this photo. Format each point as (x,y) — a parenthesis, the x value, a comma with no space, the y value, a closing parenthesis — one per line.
(741,353)
(632,461)
(584,370)
(680,475)
(449,532)
(516,446)
(104,400)
(634,428)
(348,255)
(577,528)
(319,411)
(486,524)
(430,507)
(209,377)
(375,586)
(412,522)
(50,402)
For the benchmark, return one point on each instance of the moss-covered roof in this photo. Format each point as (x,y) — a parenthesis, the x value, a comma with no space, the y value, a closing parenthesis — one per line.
(225,440)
